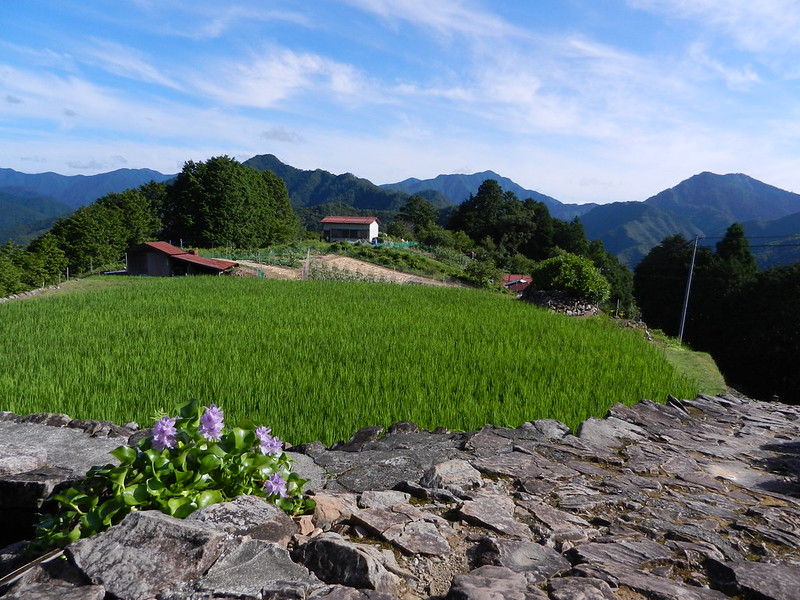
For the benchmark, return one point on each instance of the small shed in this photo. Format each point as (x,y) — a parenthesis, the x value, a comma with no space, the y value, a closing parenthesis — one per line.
(350,229)
(516,283)
(160,259)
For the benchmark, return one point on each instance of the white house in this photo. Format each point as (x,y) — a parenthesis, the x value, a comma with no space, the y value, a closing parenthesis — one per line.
(351,229)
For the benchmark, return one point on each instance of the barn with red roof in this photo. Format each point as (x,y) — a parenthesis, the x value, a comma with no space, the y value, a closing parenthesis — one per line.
(160,259)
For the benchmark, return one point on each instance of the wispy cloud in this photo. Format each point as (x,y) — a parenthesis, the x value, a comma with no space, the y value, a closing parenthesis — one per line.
(762,25)
(124,61)
(442,16)
(278,74)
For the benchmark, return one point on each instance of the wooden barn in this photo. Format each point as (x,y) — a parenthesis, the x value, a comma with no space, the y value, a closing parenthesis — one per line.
(160,259)
(350,229)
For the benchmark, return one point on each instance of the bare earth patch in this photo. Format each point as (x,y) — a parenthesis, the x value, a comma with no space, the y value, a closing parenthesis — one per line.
(344,263)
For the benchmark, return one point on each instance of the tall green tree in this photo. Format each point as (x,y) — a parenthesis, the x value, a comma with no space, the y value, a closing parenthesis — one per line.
(222,202)
(418,213)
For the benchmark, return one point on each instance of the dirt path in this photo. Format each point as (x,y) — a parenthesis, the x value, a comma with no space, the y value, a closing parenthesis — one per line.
(344,263)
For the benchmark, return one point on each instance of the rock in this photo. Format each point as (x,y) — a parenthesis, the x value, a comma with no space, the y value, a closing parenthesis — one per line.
(495,512)
(48,591)
(257,569)
(489,583)
(335,560)
(15,459)
(580,588)
(455,476)
(695,500)
(538,563)
(417,537)
(630,554)
(758,580)
(333,507)
(609,432)
(360,439)
(146,553)
(251,516)
(382,499)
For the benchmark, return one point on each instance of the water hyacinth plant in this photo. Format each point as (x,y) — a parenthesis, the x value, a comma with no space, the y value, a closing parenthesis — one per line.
(190,461)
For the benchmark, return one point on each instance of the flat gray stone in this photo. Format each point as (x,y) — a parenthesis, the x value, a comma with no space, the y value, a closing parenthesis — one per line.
(538,563)
(50,591)
(335,560)
(759,580)
(15,458)
(65,448)
(580,588)
(248,515)
(493,583)
(382,498)
(148,552)
(451,475)
(260,570)
(495,511)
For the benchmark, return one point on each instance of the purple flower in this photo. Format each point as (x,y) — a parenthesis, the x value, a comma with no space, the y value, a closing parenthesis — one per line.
(211,423)
(268,444)
(275,486)
(164,433)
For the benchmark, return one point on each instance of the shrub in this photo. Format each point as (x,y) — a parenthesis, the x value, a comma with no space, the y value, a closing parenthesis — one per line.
(573,275)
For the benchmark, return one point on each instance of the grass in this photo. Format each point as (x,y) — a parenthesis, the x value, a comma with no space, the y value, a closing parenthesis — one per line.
(316,360)
(700,366)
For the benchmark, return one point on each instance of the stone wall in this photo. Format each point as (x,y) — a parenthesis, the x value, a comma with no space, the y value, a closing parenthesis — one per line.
(560,302)
(688,500)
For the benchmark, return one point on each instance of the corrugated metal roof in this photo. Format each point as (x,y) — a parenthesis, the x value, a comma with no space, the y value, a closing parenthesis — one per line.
(183,255)
(351,220)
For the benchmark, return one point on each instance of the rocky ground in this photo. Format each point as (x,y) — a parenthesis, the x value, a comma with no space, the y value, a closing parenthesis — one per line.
(686,500)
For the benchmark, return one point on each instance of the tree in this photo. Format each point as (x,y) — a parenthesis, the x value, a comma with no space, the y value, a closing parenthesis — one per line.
(221,202)
(573,275)
(619,277)
(419,213)
(51,258)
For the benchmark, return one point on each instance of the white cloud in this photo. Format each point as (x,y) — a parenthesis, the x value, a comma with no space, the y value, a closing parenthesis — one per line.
(124,61)
(280,73)
(756,25)
(465,17)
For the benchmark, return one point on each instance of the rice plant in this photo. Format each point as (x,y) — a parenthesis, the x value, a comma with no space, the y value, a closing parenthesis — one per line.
(317,360)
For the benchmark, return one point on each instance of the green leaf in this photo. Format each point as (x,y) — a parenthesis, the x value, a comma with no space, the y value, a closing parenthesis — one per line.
(124,454)
(155,487)
(181,507)
(136,495)
(210,463)
(208,497)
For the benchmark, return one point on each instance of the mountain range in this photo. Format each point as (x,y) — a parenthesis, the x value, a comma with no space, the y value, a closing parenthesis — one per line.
(703,205)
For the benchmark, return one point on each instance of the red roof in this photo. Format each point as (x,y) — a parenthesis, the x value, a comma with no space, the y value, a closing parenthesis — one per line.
(181,254)
(351,220)
(516,283)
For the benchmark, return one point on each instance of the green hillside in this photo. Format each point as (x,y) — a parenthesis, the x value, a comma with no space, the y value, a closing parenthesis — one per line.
(318,360)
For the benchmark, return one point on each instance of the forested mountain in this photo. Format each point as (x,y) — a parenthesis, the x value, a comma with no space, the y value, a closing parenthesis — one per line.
(312,188)
(705,205)
(458,188)
(77,190)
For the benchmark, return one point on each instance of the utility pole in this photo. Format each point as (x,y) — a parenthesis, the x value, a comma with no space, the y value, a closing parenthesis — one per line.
(688,289)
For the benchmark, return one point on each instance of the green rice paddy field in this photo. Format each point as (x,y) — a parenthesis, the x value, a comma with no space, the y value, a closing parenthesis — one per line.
(317,360)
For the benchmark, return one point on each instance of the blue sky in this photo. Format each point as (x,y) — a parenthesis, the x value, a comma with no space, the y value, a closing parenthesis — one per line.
(583,100)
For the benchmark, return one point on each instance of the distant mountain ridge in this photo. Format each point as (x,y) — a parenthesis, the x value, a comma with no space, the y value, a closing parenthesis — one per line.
(314,188)
(77,190)
(457,188)
(703,205)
